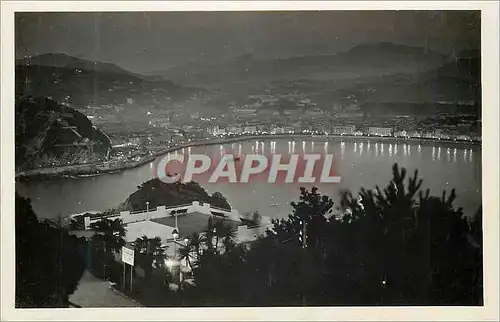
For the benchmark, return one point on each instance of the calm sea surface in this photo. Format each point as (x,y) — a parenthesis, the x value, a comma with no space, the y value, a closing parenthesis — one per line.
(360,163)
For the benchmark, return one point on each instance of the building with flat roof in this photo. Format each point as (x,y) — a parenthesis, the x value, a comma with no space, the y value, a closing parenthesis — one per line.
(245,111)
(250,129)
(194,222)
(343,130)
(148,228)
(160,222)
(380,131)
(277,130)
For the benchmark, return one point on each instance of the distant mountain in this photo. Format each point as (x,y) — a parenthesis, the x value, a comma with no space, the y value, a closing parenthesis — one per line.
(457,81)
(47,132)
(465,66)
(362,60)
(413,108)
(82,82)
(65,61)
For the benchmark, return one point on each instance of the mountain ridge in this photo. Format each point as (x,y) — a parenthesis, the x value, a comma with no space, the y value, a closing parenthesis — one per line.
(377,56)
(88,82)
(63,60)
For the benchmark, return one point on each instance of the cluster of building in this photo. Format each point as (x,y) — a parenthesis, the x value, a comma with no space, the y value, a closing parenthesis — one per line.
(298,111)
(135,147)
(271,102)
(351,130)
(269,114)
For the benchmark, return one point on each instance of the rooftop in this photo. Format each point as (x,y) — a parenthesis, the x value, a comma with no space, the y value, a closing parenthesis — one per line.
(189,223)
(148,228)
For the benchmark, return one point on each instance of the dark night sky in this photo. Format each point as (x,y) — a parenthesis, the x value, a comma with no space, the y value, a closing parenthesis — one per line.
(145,41)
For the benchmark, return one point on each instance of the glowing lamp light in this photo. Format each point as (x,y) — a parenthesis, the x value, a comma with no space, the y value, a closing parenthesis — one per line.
(171,263)
(175,233)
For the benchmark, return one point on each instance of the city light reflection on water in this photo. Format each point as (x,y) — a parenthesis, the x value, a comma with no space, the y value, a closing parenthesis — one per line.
(358,148)
(374,149)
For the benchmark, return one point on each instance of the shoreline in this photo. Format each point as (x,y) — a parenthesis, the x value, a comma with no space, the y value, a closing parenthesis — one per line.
(97,169)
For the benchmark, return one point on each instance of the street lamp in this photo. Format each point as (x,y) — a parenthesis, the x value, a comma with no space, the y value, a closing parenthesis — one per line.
(186,242)
(214,231)
(147,210)
(175,234)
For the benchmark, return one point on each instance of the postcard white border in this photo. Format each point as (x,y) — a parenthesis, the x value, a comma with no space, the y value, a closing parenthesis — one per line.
(490,166)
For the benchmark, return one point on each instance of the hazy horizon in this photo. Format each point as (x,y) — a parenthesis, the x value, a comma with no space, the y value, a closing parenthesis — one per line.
(155,41)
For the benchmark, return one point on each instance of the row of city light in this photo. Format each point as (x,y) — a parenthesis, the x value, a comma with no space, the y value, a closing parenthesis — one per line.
(357,133)
(259,146)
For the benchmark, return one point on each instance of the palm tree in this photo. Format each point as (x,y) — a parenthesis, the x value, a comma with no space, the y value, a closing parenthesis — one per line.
(218,230)
(195,240)
(151,248)
(227,235)
(209,233)
(185,253)
(74,224)
(157,251)
(118,228)
(102,227)
(141,244)
(221,231)
(112,232)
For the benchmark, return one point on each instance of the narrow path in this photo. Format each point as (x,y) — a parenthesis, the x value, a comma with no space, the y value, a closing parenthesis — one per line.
(94,292)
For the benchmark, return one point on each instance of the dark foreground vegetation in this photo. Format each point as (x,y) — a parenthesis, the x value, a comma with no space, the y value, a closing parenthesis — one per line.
(49,262)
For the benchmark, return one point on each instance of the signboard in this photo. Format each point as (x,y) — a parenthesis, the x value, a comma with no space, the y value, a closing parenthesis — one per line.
(128,256)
